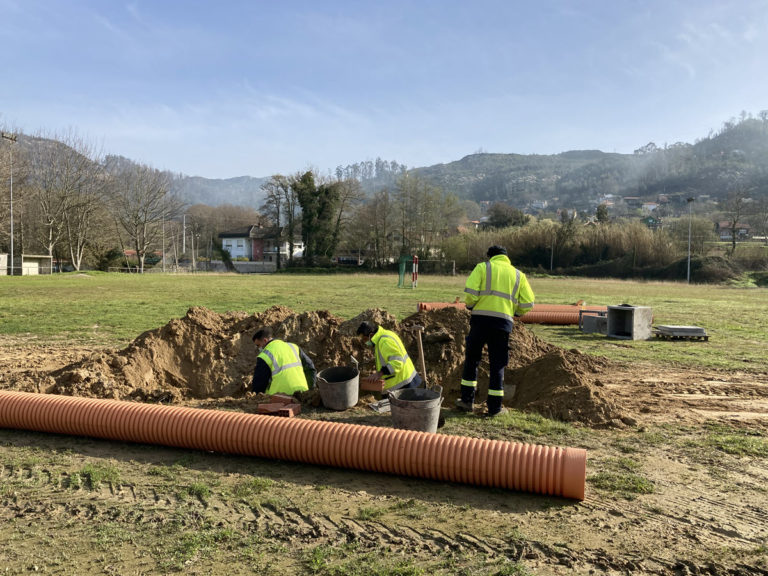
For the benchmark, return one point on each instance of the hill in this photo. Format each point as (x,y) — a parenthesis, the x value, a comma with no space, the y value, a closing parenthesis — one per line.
(240,191)
(735,158)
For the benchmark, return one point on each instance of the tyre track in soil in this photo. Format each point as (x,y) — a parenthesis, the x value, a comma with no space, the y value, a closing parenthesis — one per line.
(685,518)
(155,505)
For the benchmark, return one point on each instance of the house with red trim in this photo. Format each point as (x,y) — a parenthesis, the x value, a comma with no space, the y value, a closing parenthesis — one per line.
(257,243)
(724,231)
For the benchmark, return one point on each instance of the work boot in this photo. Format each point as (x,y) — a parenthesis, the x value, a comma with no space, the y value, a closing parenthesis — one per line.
(502,410)
(464,406)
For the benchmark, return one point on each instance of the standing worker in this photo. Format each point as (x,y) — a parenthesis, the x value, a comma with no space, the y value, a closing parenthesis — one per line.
(281,367)
(393,364)
(495,292)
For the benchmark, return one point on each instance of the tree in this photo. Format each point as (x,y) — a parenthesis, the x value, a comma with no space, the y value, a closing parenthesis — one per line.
(273,204)
(564,237)
(66,186)
(374,224)
(20,172)
(602,214)
(319,206)
(702,234)
(733,209)
(350,194)
(206,222)
(760,218)
(281,205)
(84,206)
(141,202)
(502,215)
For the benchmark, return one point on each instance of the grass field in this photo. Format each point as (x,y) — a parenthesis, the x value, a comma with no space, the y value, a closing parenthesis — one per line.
(112,309)
(682,493)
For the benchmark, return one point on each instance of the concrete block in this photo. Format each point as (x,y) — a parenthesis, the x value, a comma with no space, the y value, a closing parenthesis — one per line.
(594,324)
(630,322)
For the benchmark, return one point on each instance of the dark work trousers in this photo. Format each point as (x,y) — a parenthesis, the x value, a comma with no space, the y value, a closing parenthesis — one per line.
(498,357)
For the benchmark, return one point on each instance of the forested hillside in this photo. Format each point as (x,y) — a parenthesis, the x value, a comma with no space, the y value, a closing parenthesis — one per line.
(736,157)
(732,158)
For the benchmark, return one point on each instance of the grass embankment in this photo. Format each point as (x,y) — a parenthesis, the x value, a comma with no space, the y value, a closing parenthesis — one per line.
(112,309)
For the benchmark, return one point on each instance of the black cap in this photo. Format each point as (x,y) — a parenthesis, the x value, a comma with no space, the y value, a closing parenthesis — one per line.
(496,250)
(366,328)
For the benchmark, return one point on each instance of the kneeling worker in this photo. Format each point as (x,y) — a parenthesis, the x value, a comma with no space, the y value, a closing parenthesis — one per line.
(393,365)
(281,367)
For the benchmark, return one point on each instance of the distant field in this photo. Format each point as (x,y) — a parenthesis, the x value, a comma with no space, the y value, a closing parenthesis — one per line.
(112,309)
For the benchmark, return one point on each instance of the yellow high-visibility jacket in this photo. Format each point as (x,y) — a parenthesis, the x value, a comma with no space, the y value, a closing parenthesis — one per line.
(392,360)
(497,289)
(284,362)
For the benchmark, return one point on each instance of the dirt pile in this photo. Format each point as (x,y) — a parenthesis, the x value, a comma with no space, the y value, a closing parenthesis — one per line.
(562,385)
(207,356)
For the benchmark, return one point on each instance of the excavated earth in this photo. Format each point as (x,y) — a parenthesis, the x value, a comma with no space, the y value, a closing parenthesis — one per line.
(206,356)
(706,515)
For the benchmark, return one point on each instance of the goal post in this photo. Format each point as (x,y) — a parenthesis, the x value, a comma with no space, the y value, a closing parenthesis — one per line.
(413,265)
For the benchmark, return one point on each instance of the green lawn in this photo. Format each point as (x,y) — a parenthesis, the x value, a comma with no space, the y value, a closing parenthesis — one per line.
(112,309)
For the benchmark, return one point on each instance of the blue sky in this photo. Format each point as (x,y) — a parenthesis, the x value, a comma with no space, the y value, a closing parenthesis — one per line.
(229,88)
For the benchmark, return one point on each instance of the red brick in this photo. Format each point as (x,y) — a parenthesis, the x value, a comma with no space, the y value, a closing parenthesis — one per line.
(289,410)
(377,386)
(282,399)
(270,408)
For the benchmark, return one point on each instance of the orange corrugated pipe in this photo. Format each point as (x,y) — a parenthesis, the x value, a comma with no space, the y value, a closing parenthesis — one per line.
(541,313)
(544,470)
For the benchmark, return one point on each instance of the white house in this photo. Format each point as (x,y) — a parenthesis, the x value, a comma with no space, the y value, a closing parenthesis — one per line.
(257,243)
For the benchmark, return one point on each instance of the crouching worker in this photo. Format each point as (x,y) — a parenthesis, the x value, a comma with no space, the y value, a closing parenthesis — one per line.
(393,365)
(281,367)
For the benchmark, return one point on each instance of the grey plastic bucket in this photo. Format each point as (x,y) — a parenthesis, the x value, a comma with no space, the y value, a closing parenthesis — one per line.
(416,408)
(339,387)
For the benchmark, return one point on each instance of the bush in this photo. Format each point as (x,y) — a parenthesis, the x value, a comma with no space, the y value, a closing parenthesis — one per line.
(760,279)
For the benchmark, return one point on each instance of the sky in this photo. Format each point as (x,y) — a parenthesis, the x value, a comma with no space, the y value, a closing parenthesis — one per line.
(228,88)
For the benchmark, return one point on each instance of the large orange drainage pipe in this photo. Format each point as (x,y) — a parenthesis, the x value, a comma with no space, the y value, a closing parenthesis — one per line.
(540,469)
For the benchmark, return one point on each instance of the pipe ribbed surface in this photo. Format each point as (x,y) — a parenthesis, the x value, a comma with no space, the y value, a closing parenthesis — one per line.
(524,467)
(541,313)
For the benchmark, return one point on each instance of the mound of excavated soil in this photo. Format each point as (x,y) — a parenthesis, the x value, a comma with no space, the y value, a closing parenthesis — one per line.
(206,356)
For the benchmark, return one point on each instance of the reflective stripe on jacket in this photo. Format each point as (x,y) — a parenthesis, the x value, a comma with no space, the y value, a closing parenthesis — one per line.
(497,289)
(284,362)
(392,359)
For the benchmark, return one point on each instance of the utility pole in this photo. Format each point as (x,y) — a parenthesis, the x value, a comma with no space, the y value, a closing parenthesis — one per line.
(163,235)
(12,139)
(690,204)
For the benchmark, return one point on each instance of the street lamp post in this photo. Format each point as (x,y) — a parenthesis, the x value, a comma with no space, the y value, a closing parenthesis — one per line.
(12,139)
(690,205)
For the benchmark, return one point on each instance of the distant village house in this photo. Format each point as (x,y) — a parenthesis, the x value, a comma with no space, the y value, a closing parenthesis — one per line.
(259,246)
(724,231)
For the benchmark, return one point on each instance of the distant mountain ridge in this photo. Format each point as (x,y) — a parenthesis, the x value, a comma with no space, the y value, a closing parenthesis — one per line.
(239,191)
(735,157)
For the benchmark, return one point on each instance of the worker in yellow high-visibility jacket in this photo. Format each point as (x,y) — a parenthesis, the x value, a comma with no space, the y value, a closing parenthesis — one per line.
(393,365)
(281,367)
(496,292)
